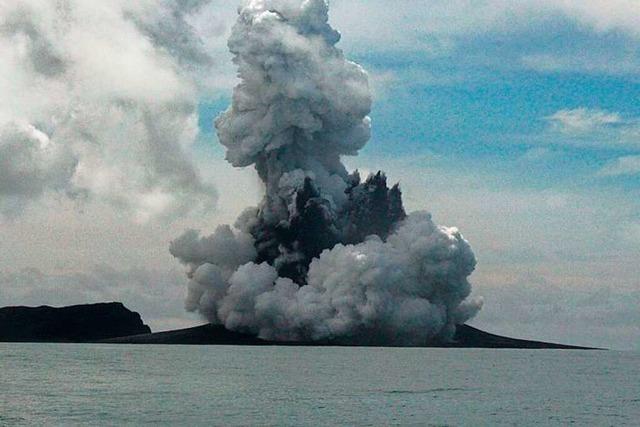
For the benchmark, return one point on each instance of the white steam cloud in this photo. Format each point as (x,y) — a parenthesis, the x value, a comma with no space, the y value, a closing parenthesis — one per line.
(325,256)
(99,100)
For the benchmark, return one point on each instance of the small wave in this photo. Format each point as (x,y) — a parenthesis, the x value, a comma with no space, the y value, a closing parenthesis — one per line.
(430,390)
(10,421)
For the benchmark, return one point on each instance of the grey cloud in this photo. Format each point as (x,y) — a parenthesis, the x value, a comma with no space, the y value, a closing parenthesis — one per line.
(113,93)
(29,165)
(42,54)
(169,29)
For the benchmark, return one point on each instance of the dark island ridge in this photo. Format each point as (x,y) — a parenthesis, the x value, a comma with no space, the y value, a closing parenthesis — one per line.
(466,337)
(113,323)
(73,324)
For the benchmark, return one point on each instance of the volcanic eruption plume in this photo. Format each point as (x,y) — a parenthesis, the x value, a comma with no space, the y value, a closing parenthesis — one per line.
(326,255)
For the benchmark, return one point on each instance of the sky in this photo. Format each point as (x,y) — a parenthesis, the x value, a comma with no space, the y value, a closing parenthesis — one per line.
(517,122)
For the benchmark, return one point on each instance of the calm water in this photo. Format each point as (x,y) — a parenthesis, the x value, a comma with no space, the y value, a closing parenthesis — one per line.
(119,385)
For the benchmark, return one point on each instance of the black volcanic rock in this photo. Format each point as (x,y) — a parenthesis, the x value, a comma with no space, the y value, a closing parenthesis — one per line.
(466,337)
(200,335)
(470,337)
(79,323)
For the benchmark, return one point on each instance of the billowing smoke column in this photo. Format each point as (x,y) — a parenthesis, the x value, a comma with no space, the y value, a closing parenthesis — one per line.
(326,256)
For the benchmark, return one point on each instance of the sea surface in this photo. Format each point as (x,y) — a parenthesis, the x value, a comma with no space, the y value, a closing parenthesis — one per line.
(52,384)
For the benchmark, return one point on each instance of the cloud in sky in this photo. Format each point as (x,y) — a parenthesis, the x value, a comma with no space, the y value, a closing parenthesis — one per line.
(600,129)
(428,24)
(593,128)
(547,36)
(602,15)
(627,165)
(583,120)
(99,101)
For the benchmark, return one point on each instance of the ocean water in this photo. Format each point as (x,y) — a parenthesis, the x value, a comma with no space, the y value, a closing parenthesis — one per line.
(50,384)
